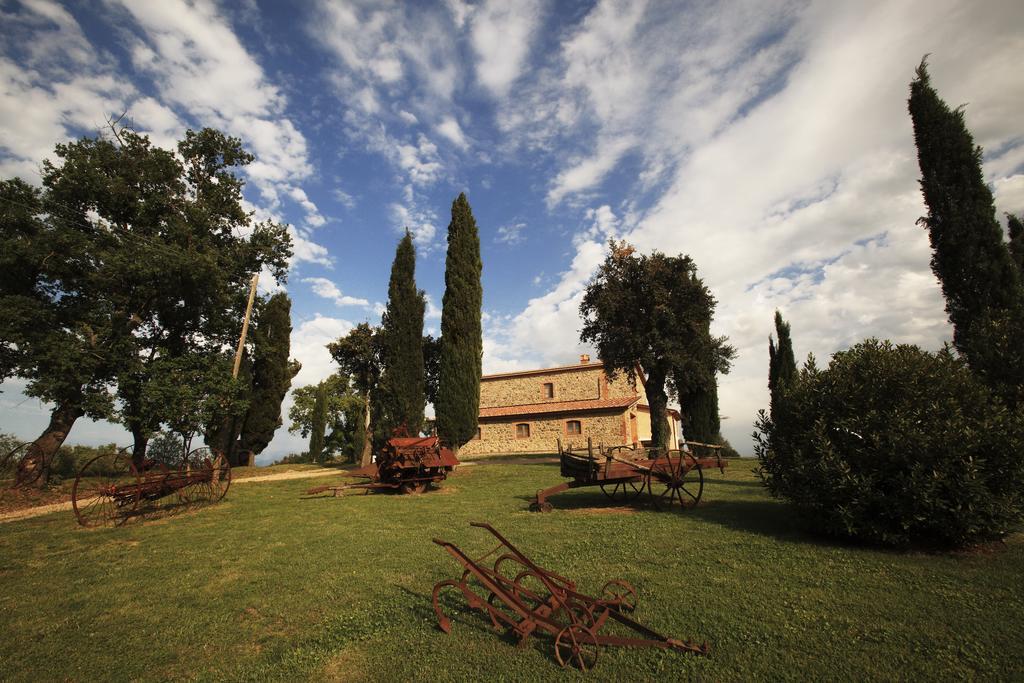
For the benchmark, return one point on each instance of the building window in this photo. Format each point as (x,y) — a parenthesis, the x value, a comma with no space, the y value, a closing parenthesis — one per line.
(522,431)
(549,390)
(573,427)
(478,433)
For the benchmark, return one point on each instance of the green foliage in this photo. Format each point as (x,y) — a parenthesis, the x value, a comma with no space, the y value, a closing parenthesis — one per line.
(70,460)
(653,312)
(293,459)
(191,392)
(358,354)
(1016,230)
(8,442)
(400,396)
(344,415)
(166,447)
(318,423)
(129,255)
(272,373)
(700,415)
(458,394)
(781,363)
(432,367)
(898,446)
(979,278)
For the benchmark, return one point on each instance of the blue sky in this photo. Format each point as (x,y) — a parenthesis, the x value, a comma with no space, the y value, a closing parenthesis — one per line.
(768,140)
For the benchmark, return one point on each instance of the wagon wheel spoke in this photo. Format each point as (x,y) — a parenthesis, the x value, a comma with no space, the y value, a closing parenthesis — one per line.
(106,490)
(621,594)
(693,485)
(576,644)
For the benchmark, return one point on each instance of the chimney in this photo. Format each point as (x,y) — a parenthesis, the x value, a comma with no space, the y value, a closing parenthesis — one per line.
(584,359)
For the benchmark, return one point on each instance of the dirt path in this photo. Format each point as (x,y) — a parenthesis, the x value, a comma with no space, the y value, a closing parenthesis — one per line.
(27,513)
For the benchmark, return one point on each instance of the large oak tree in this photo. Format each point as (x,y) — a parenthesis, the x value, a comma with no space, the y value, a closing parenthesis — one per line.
(129,254)
(652,313)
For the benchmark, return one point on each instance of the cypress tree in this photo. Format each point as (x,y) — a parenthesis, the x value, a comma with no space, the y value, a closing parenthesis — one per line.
(458,393)
(401,396)
(700,414)
(979,279)
(781,363)
(696,386)
(319,426)
(272,373)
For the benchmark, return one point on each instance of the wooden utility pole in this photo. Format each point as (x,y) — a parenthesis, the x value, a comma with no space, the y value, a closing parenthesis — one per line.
(245,325)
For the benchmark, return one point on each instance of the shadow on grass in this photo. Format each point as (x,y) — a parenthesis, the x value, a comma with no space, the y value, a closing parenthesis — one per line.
(715,481)
(453,605)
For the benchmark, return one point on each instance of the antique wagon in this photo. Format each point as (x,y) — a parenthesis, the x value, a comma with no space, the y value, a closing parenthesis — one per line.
(670,477)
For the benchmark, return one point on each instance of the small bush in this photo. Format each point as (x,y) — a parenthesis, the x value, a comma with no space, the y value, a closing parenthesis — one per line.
(69,460)
(898,446)
(293,459)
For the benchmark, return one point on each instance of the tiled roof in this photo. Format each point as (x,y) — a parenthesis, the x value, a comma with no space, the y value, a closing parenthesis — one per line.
(560,407)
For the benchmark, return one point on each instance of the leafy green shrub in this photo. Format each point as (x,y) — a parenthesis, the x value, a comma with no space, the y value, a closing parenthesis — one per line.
(898,446)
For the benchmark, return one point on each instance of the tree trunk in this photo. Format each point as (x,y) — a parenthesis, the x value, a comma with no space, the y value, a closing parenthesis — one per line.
(43,450)
(140,439)
(658,400)
(367,455)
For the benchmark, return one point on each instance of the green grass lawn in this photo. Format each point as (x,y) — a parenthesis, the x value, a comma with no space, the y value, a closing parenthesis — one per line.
(268,586)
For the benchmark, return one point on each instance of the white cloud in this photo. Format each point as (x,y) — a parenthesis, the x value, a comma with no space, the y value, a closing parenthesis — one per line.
(309,346)
(786,160)
(432,312)
(511,234)
(326,289)
(451,130)
(347,200)
(314,219)
(420,161)
(199,65)
(420,222)
(502,34)
(587,172)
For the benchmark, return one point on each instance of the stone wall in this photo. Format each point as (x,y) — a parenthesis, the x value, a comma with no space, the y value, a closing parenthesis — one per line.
(498,436)
(569,385)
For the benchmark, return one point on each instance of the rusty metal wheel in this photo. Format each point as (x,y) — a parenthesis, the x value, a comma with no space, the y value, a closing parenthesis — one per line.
(529,588)
(623,490)
(675,480)
(577,645)
(106,490)
(621,594)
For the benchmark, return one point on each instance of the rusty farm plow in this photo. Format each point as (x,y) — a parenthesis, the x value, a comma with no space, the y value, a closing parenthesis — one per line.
(526,599)
(113,488)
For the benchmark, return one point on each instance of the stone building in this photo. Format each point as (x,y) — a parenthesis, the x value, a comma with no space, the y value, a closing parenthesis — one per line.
(529,410)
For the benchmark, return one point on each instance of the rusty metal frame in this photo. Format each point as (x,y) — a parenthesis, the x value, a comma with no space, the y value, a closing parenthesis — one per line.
(672,472)
(556,607)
